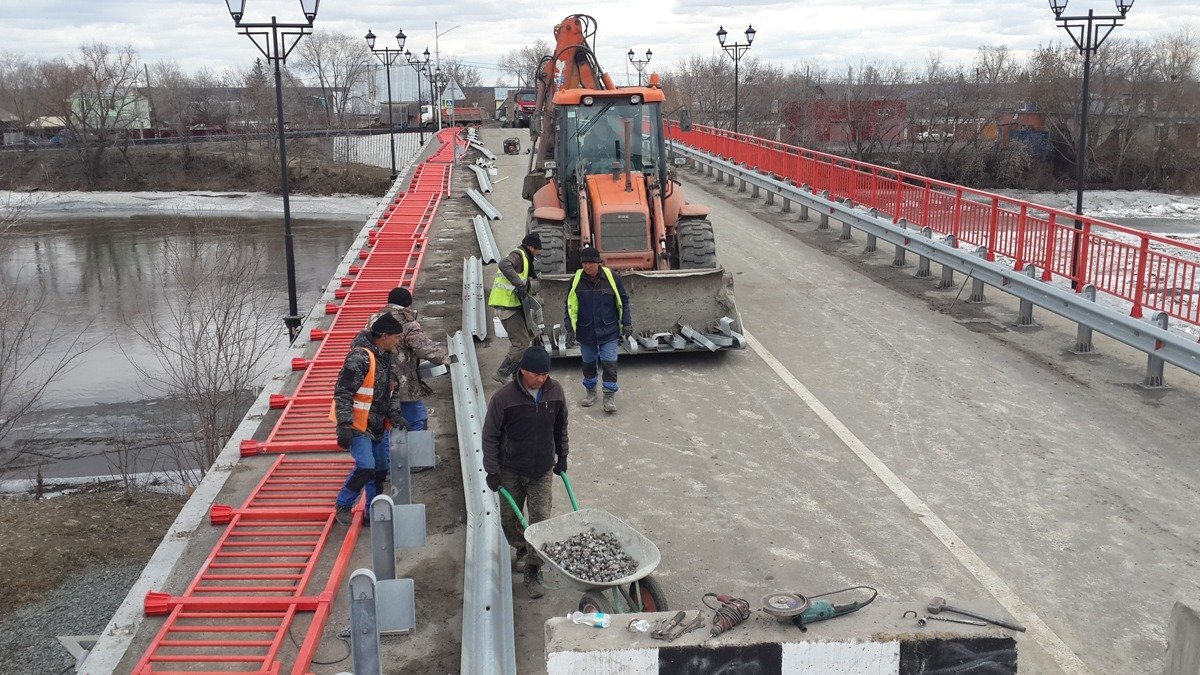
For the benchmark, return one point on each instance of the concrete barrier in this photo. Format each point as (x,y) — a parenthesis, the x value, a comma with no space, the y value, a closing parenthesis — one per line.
(875,640)
(1183,640)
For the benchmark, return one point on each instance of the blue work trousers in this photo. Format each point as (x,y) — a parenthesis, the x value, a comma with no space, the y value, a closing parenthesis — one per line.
(371,462)
(599,358)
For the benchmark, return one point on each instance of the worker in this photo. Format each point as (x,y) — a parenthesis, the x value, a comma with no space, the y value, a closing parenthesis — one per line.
(363,407)
(603,144)
(509,289)
(524,440)
(415,345)
(598,313)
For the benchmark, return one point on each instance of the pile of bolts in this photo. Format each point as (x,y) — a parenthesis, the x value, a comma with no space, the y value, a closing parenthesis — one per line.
(594,556)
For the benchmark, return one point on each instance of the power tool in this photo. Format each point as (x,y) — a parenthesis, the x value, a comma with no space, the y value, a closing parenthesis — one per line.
(802,610)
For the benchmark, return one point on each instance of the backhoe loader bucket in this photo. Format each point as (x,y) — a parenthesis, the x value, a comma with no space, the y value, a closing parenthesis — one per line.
(673,310)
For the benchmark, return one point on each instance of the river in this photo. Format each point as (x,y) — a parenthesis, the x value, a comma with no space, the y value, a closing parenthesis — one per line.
(98,275)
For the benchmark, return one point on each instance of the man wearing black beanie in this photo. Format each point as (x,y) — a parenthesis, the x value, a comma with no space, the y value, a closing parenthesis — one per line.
(524,441)
(363,407)
(509,288)
(415,345)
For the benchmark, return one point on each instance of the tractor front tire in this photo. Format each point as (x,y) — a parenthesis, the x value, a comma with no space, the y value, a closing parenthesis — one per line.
(697,245)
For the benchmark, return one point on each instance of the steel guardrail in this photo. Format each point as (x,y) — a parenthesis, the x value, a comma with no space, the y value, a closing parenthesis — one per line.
(1150,337)
(488,633)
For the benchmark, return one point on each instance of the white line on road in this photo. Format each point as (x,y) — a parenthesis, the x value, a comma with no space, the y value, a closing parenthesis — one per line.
(1038,630)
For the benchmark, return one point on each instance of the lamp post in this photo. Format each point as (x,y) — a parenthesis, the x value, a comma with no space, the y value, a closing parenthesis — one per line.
(420,67)
(387,57)
(735,51)
(435,89)
(275,41)
(639,63)
(1088,33)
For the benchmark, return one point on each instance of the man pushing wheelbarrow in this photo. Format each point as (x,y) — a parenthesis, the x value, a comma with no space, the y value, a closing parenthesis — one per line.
(524,441)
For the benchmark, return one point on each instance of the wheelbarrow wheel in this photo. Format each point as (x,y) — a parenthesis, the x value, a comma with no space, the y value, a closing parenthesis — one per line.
(595,601)
(649,593)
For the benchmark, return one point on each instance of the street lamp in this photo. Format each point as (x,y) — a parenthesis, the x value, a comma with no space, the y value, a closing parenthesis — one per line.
(1088,33)
(639,63)
(387,57)
(735,51)
(420,67)
(275,41)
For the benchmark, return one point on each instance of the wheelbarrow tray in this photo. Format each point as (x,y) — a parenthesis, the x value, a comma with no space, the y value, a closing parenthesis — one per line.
(559,528)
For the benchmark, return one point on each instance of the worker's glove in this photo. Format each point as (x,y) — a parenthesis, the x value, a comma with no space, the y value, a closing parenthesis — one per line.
(493,482)
(398,421)
(561,466)
(452,358)
(345,433)
(570,338)
(626,331)
(521,292)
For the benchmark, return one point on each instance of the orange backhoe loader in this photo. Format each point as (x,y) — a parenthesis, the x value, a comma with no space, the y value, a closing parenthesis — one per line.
(600,174)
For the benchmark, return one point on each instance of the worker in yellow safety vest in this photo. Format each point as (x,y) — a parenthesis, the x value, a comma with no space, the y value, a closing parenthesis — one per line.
(509,289)
(364,408)
(598,314)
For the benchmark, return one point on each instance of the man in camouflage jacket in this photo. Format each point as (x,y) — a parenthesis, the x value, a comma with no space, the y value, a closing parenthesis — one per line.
(415,345)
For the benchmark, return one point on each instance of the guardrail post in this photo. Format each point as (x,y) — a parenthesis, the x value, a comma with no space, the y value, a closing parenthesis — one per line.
(824,224)
(898,261)
(947,280)
(1154,364)
(923,262)
(383,538)
(742,186)
(847,234)
(872,240)
(976,283)
(729,180)
(1025,313)
(1083,335)
(364,628)
(770,198)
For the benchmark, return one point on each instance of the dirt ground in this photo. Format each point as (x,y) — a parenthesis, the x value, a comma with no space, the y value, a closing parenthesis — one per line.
(254,169)
(43,542)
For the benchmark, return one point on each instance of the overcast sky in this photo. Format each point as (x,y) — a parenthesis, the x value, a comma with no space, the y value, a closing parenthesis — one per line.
(199,33)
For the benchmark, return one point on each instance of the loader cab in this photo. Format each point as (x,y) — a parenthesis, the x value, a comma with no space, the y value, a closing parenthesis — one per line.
(591,136)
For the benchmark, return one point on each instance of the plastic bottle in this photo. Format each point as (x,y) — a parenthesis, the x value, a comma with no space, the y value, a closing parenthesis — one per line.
(597,619)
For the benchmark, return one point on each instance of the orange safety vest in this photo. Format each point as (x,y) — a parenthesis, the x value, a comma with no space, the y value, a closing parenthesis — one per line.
(362,398)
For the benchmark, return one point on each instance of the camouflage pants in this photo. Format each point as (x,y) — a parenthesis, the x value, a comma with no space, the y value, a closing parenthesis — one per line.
(519,335)
(534,495)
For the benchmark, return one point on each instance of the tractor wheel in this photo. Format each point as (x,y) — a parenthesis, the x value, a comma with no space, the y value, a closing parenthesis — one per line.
(553,257)
(697,246)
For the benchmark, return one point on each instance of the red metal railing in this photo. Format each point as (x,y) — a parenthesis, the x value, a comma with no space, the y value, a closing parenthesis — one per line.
(1148,271)
(235,614)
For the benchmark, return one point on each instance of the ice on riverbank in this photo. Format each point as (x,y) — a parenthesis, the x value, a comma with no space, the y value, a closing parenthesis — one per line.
(1104,204)
(53,205)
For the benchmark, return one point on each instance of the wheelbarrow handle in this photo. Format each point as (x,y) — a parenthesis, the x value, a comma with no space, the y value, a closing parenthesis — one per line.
(512,502)
(570,490)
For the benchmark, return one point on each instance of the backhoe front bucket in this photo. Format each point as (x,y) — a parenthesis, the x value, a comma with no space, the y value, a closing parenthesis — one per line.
(673,310)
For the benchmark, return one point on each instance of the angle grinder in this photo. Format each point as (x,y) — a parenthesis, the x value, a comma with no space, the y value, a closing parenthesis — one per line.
(802,610)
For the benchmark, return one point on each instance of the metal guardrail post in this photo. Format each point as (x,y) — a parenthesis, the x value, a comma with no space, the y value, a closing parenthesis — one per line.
(364,628)
(947,280)
(1154,364)
(1083,335)
(383,538)
(898,261)
(824,222)
(923,262)
(474,308)
(977,284)
(1025,311)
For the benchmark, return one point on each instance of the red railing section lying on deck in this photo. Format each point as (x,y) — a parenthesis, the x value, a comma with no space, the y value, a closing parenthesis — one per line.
(236,614)
(1149,271)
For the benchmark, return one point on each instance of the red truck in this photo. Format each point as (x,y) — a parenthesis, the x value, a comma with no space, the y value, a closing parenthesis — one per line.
(519,107)
(458,116)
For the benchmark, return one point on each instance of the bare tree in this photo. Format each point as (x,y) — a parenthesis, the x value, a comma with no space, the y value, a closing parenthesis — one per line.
(341,64)
(522,62)
(19,88)
(211,341)
(464,75)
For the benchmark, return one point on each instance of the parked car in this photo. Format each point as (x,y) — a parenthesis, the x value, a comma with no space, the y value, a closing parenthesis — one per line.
(926,136)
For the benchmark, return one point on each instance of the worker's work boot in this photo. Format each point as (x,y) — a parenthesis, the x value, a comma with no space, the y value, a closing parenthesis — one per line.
(610,401)
(589,398)
(504,371)
(533,583)
(343,515)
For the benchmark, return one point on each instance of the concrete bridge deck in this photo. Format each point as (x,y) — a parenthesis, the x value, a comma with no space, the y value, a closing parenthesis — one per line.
(878,431)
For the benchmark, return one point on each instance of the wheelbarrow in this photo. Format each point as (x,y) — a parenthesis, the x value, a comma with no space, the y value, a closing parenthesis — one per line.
(636,592)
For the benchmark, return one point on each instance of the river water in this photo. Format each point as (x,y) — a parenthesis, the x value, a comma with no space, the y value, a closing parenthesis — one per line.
(99,275)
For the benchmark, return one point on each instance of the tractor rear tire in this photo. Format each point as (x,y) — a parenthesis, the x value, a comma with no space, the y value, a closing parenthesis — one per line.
(553,257)
(697,245)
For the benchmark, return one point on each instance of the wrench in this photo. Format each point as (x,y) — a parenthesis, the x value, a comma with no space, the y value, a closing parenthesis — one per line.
(695,623)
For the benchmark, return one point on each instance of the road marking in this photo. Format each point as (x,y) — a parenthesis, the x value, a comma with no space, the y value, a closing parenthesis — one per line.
(1037,629)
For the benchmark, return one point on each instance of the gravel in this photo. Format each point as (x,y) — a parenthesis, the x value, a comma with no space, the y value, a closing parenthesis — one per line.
(81,605)
(592,556)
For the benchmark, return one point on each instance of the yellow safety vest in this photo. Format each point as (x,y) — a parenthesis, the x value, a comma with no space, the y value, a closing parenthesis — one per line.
(504,294)
(573,298)
(362,398)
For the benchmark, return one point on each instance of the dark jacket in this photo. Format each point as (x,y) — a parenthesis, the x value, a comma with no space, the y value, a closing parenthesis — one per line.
(598,318)
(521,436)
(384,406)
(414,346)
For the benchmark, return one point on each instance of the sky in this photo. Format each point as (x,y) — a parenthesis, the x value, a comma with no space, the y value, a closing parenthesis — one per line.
(199,34)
